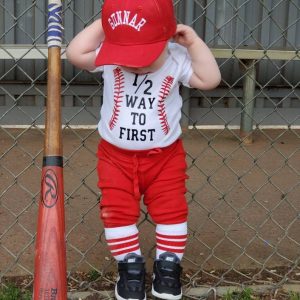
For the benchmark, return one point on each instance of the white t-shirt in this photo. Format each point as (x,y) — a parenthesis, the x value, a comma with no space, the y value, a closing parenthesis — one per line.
(141,112)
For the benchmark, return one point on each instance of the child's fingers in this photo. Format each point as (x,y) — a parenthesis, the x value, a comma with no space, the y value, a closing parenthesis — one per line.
(180,29)
(180,33)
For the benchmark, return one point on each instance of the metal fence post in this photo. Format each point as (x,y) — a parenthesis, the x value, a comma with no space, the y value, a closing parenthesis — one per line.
(248,101)
(188,17)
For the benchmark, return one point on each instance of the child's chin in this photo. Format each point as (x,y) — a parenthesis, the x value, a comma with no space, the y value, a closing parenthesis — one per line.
(137,71)
(142,73)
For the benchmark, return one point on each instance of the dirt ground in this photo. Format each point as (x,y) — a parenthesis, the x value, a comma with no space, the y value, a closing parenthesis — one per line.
(243,202)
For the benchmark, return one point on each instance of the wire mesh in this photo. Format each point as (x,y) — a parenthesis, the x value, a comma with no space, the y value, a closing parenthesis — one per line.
(242,143)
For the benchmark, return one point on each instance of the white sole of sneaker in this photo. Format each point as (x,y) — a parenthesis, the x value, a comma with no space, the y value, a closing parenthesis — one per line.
(165,296)
(118,297)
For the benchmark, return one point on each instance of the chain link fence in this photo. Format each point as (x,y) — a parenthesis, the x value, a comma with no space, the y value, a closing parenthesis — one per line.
(242,142)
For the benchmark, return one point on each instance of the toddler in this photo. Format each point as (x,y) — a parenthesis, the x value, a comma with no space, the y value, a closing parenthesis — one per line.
(144,57)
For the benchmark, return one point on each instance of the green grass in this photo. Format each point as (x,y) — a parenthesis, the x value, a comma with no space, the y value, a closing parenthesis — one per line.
(294,296)
(246,294)
(11,292)
(93,275)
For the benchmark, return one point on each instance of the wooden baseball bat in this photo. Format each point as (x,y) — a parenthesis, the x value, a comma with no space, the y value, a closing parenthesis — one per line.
(50,281)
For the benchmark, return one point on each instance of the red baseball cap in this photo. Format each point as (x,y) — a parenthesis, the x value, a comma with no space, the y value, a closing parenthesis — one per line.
(136,31)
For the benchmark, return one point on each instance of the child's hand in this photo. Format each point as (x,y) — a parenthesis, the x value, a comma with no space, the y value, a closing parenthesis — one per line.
(206,74)
(185,35)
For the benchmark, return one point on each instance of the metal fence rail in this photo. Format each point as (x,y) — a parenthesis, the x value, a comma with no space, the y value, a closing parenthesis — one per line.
(242,142)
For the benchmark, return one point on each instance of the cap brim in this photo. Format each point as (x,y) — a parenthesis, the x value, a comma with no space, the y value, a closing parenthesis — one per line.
(130,56)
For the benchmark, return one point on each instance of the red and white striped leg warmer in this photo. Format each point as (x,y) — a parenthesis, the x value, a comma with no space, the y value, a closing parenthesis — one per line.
(122,240)
(171,238)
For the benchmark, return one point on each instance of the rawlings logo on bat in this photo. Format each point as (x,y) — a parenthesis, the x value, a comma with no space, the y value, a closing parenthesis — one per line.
(50,189)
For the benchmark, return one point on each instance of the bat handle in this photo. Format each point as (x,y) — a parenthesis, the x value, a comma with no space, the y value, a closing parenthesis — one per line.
(55,28)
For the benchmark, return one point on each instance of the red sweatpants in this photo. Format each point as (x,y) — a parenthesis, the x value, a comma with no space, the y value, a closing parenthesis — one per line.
(158,174)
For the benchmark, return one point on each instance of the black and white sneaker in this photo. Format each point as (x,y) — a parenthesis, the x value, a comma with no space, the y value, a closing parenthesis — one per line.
(131,282)
(166,277)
